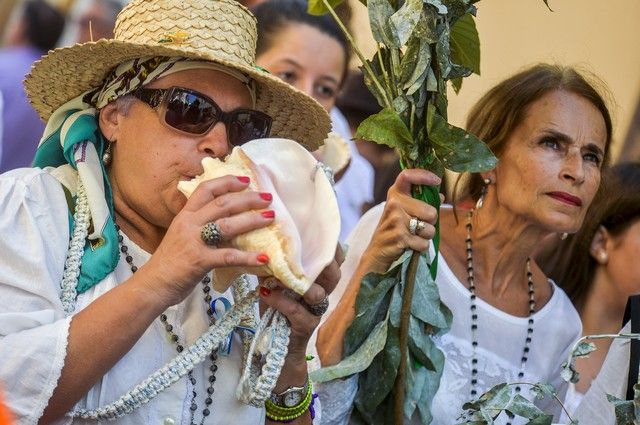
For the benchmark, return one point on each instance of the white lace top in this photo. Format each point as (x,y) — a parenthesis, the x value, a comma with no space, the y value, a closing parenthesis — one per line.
(501,340)
(34,237)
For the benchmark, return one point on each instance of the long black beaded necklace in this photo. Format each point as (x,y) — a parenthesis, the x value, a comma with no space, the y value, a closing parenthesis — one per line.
(474,314)
(206,288)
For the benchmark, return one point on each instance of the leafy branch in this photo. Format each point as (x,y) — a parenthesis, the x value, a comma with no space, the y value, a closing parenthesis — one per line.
(502,399)
(421,44)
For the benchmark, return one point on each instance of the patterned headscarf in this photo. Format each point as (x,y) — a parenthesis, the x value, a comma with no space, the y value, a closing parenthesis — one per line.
(72,138)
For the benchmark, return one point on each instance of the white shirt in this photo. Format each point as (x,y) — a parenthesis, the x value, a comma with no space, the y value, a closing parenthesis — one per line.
(355,188)
(34,236)
(500,337)
(594,408)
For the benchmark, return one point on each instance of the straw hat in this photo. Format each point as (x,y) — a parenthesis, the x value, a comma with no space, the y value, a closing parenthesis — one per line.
(221,31)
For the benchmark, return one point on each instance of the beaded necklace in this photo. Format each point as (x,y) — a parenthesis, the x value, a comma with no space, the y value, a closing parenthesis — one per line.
(474,314)
(213,356)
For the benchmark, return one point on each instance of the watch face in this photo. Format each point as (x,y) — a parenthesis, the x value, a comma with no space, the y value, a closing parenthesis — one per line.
(292,398)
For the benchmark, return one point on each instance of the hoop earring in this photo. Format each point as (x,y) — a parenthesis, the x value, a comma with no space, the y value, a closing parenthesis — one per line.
(107,155)
(483,193)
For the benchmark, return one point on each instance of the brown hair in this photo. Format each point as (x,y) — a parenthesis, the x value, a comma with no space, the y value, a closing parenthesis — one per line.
(497,114)
(616,207)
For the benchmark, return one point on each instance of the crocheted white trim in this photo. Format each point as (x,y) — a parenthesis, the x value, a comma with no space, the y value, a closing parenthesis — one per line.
(253,388)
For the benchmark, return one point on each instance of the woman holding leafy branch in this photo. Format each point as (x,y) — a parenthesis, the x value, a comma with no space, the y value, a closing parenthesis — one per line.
(550,130)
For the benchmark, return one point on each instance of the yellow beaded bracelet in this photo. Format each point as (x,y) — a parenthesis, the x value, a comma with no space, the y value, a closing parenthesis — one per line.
(285,414)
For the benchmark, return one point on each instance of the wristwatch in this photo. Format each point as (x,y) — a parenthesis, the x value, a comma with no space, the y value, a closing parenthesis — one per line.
(291,397)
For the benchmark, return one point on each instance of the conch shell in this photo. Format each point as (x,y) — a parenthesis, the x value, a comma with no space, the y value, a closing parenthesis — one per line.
(302,239)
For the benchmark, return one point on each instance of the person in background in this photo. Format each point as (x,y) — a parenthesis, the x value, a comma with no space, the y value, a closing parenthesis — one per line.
(97,20)
(598,267)
(550,130)
(1,123)
(356,103)
(312,54)
(36,31)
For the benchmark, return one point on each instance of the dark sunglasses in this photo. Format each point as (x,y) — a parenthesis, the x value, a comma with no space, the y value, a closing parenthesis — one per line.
(194,113)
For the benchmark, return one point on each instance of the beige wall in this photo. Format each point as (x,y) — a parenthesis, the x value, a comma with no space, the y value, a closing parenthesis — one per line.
(600,36)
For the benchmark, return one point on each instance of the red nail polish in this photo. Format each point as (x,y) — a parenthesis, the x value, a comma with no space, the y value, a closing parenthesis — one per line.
(266,196)
(263,258)
(265,292)
(244,179)
(268,214)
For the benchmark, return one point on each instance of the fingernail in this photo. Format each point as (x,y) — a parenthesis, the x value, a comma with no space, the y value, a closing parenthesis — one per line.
(263,258)
(268,214)
(266,196)
(265,292)
(244,179)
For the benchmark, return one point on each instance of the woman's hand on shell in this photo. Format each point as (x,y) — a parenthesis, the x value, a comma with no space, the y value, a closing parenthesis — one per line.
(392,235)
(302,321)
(182,258)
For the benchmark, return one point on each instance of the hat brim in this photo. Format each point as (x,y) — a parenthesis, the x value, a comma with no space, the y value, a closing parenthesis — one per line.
(67,72)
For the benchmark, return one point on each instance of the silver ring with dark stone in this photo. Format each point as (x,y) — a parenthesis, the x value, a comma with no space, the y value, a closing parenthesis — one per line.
(318,309)
(210,234)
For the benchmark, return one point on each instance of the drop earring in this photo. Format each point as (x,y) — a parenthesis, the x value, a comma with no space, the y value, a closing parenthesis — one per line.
(107,155)
(483,193)
(563,236)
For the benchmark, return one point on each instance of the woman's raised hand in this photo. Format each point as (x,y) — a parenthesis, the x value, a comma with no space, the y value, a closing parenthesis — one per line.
(299,312)
(182,257)
(393,234)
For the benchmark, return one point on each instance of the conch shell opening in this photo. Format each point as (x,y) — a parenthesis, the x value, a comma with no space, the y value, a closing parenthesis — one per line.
(302,239)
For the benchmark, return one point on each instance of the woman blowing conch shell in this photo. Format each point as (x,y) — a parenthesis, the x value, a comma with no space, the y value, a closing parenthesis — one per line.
(107,308)
(304,204)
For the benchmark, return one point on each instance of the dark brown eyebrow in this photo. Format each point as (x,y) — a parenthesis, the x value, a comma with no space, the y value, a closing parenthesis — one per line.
(591,147)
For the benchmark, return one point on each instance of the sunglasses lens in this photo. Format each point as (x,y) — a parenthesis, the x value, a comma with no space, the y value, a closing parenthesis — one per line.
(190,113)
(248,125)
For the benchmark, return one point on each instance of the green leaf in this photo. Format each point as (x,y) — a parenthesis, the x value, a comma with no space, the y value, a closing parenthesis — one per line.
(414,63)
(456,83)
(416,380)
(524,408)
(541,420)
(426,304)
(423,348)
(386,128)
(465,43)
(405,19)
(542,390)
(624,410)
(380,13)
(317,7)
(583,349)
(489,405)
(458,150)
(377,380)
(371,307)
(428,393)
(441,8)
(358,361)
(380,59)
(443,50)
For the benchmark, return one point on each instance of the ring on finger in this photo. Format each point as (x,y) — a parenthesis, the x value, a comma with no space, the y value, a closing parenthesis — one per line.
(420,226)
(413,225)
(210,234)
(318,309)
